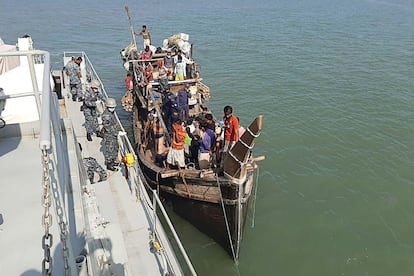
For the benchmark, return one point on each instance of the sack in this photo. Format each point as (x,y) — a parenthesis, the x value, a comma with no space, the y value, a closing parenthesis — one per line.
(128,101)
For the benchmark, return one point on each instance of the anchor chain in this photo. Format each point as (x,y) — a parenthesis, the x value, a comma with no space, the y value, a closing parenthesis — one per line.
(47,239)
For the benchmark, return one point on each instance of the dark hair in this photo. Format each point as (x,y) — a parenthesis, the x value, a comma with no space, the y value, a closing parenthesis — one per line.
(79,58)
(209,116)
(228,109)
(144,26)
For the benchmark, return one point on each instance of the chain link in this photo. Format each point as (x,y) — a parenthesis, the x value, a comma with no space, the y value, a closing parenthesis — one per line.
(65,251)
(47,239)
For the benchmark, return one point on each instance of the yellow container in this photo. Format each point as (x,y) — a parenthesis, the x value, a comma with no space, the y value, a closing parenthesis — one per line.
(130,161)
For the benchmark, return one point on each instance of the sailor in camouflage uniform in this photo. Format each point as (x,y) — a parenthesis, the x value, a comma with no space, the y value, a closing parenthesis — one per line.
(92,166)
(74,73)
(111,131)
(89,109)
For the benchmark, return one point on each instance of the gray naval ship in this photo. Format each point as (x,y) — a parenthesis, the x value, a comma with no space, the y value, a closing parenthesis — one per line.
(53,220)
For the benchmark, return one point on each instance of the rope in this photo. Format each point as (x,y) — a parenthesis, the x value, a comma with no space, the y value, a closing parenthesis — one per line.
(227,222)
(255,195)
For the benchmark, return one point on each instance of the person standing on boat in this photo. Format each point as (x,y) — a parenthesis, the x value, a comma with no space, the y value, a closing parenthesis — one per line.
(92,95)
(74,73)
(175,156)
(208,139)
(162,76)
(169,63)
(171,107)
(146,35)
(231,132)
(188,62)
(182,102)
(111,130)
(180,69)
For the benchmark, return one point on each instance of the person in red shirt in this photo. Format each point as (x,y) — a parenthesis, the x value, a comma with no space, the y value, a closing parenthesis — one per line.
(231,132)
(146,54)
(128,82)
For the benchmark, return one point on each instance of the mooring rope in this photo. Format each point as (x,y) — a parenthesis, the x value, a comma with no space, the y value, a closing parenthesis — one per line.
(227,222)
(255,196)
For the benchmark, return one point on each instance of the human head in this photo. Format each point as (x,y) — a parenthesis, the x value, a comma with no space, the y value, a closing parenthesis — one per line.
(187,86)
(228,110)
(78,60)
(177,122)
(95,85)
(160,63)
(147,48)
(144,27)
(110,104)
(168,52)
(209,117)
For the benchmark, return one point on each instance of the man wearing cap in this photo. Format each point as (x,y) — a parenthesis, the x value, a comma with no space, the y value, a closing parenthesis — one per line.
(182,102)
(74,73)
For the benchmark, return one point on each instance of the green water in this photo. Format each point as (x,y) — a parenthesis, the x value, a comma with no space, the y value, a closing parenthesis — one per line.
(334,81)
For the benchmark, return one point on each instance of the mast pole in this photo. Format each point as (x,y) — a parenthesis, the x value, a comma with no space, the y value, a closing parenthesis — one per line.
(131,27)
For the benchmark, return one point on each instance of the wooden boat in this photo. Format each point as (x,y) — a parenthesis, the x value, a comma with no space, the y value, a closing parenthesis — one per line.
(214,199)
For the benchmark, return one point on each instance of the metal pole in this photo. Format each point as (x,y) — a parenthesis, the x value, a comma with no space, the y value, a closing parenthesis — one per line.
(180,246)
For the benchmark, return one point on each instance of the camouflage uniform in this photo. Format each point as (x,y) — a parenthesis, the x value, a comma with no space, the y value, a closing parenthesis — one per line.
(89,110)
(112,129)
(92,166)
(72,69)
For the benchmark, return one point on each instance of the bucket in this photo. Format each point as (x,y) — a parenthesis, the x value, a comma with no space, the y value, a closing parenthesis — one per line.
(81,265)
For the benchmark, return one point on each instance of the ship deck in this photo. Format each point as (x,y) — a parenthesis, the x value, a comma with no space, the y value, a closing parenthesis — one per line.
(124,229)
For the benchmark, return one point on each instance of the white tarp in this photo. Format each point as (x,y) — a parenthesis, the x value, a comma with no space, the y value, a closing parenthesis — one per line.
(8,63)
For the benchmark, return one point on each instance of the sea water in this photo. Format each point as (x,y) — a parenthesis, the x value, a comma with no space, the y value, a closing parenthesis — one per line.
(334,81)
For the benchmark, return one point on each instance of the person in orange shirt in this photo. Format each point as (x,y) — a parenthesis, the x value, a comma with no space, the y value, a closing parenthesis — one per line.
(175,156)
(231,132)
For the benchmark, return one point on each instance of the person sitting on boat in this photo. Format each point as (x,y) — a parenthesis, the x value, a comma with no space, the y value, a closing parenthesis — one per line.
(146,54)
(182,101)
(74,73)
(146,35)
(175,156)
(208,139)
(92,95)
(162,76)
(169,63)
(111,130)
(180,69)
